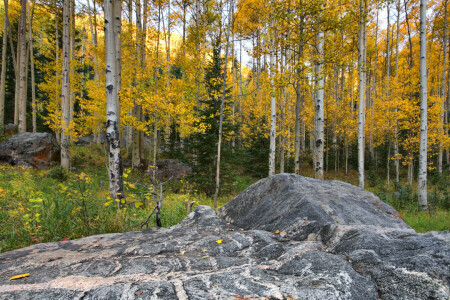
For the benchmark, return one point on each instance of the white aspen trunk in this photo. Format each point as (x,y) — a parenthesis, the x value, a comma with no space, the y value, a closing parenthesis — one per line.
(17,84)
(283,115)
(298,104)
(65,88)
(93,28)
(117,20)
(396,153)
(361,117)
(388,88)
(3,72)
(319,109)
(22,100)
(72,58)
(422,181)
(155,126)
(447,115)
(33,85)
(112,125)
(57,85)
(374,87)
(443,90)
(136,143)
(224,89)
(167,128)
(233,83)
(273,107)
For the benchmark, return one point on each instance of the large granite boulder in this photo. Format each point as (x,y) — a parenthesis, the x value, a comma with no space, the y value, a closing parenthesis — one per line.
(206,257)
(182,262)
(39,150)
(304,208)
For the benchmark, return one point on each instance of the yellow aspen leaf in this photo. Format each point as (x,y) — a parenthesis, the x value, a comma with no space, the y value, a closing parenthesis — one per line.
(204,250)
(230,229)
(20,276)
(219,241)
(276,232)
(97,245)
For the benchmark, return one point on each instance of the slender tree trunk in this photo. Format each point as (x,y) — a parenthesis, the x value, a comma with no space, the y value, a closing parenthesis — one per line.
(137,110)
(396,152)
(388,94)
(57,85)
(65,90)
(361,116)
(33,84)
(422,182)
(224,89)
(22,100)
(298,102)
(117,43)
(273,108)
(319,109)
(72,59)
(374,87)
(167,127)
(443,90)
(283,115)
(3,72)
(112,125)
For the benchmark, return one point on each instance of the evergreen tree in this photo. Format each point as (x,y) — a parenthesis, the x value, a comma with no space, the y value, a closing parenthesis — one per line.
(203,145)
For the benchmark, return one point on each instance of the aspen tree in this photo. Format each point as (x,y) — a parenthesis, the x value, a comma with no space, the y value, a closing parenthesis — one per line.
(443,90)
(112,121)
(224,88)
(137,110)
(361,104)
(273,108)
(299,99)
(57,85)
(3,72)
(65,91)
(388,93)
(22,98)
(396,152)
(33,83)
(422,181)
(319,109)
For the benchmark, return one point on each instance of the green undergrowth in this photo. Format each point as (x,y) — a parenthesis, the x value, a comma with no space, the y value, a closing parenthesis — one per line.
(57,205)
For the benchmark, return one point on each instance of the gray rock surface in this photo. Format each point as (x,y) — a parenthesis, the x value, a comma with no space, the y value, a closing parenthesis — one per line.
(10,129)
(182,262)
(85,140)
(170,168)
(39,150)
(345,261)
(304,208)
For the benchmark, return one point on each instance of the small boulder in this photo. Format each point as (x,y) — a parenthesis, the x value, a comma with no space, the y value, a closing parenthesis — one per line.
(39,150)
(10,129)
(170,168)
(84,141)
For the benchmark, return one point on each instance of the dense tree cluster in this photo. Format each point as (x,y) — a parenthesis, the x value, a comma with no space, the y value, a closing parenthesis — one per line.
(334,84)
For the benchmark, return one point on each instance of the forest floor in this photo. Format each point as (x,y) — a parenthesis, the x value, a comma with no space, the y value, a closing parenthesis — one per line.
(56,205)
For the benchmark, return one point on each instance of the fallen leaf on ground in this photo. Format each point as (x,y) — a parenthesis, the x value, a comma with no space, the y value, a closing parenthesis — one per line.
(20,276)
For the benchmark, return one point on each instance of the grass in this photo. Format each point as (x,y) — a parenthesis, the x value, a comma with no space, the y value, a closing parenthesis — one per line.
(53,205)
(421,221)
